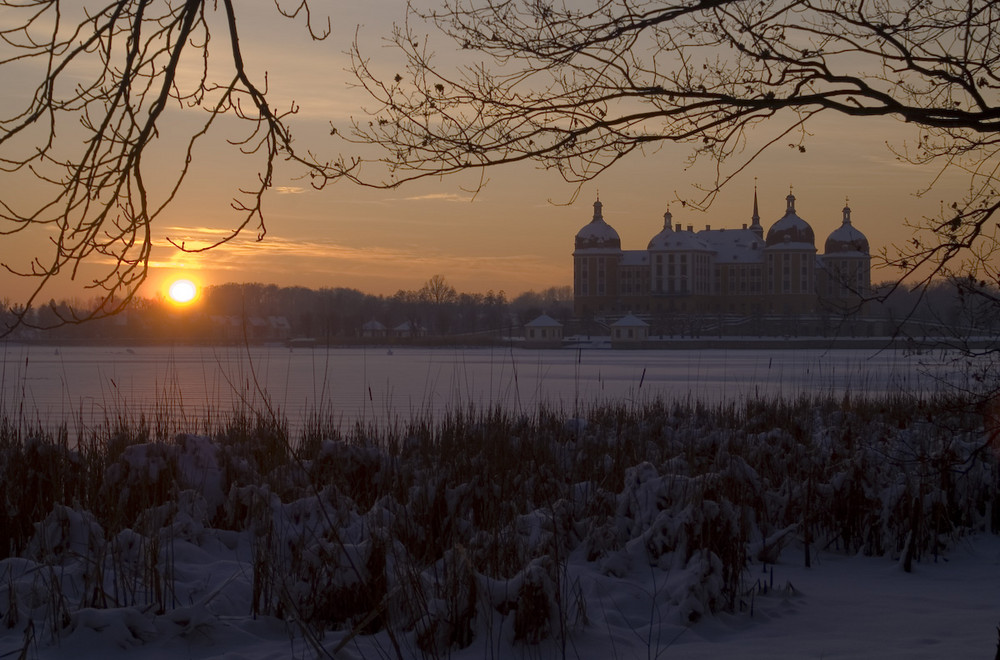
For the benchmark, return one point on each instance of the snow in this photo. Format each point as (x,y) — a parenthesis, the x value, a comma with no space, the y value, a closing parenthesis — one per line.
(859,607)
(627,570)
(198,550)
(734,245)
(842,607)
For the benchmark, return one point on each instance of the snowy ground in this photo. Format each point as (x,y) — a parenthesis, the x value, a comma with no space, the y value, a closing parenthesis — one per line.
(842,607)
(663,532)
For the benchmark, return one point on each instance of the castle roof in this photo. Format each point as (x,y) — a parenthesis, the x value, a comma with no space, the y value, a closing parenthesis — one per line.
(675,240)
(598,234)
(733,245)
(846,240)
(791,232)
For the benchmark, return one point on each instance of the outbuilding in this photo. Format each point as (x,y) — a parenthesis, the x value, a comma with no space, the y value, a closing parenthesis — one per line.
(629,332)
(543,332)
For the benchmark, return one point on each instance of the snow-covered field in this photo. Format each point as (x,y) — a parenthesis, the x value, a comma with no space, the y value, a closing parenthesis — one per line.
(842,607)
(678,531)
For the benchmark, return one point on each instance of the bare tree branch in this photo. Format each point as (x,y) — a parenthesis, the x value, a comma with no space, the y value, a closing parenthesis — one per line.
(106,77)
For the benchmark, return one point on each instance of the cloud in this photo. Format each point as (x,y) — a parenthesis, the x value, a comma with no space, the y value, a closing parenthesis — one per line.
(289,190)
(279,254)
(439,197)
(195,233)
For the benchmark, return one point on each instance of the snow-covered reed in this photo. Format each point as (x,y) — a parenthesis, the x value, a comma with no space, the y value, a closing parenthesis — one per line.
(477,527)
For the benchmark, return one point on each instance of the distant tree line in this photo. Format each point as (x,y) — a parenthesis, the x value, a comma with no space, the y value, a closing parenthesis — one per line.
(232,313)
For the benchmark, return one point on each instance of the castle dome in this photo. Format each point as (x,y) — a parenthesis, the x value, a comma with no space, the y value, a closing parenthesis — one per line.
(669,239)
(846,239)
(660,241)
(598,234)
(791,230)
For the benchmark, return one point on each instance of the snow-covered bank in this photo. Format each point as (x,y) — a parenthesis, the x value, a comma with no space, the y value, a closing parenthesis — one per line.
(655,531)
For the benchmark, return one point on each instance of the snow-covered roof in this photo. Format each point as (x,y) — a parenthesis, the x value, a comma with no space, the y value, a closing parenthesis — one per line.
(597,233)
(670,240)
(630,321)
(543,321)
(790,229)
(373,325)
(635,258)
(733,245)
(846,239)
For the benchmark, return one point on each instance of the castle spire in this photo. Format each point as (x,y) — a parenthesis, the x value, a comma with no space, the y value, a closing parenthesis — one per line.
(791,202)
(755,225)
(668,219)
(598,217)
(847,211)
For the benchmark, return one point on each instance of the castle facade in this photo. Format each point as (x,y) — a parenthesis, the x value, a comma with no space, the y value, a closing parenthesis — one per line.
(722,272)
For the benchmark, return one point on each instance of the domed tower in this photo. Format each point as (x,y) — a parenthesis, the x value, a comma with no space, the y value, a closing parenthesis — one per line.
(846,238)
(847,266)
(791,228)
(790,264)
(596,259)
(679,262)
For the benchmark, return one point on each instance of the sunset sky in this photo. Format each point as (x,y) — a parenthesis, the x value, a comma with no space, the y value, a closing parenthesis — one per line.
(517,232)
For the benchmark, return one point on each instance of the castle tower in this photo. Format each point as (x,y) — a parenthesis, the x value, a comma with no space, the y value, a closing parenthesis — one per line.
(847,266)
(790,264)
(596,260)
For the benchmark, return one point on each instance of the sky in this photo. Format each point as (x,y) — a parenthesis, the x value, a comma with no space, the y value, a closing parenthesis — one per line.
(516,233)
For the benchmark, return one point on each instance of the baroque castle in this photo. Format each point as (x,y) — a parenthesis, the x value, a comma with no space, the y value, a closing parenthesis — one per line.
(734,273)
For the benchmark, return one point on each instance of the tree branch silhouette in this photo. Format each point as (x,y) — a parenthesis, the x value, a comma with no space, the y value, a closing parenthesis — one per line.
(576,88)
(106,78)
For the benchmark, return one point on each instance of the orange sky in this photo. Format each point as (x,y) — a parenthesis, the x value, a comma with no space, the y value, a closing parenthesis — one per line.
(515,234)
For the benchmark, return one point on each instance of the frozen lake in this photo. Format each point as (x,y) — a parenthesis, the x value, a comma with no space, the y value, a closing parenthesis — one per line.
(372,385)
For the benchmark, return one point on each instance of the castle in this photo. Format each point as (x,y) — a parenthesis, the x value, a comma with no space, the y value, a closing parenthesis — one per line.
(717,273)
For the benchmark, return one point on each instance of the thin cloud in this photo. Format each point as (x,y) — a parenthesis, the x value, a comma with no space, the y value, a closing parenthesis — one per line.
(438,197)
(320,255)
(194,233)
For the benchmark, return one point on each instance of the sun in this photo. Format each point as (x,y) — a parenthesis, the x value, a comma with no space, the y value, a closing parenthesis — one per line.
(182,291)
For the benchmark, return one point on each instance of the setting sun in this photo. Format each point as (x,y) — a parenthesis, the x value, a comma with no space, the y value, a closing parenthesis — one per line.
(182,291)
